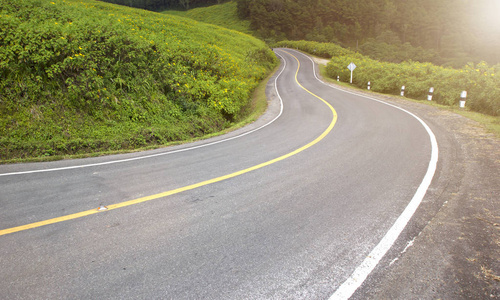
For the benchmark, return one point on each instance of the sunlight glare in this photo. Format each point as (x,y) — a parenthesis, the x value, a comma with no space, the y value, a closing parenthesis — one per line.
(487,16)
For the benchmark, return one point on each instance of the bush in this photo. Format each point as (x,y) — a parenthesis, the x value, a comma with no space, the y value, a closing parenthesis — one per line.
(481,81)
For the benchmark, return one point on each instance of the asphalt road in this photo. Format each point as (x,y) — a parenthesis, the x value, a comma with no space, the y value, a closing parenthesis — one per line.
(295,227)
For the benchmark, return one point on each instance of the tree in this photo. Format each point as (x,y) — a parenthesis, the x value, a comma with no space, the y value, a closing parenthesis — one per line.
(184,3)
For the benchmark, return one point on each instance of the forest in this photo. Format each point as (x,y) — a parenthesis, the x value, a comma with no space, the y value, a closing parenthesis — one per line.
(444,32)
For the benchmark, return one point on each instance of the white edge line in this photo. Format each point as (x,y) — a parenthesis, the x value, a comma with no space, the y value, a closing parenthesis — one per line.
(347,289)
(164,153)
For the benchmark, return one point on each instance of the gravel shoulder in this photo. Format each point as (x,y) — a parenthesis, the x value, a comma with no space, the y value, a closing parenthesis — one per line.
(451,248)
(456,251)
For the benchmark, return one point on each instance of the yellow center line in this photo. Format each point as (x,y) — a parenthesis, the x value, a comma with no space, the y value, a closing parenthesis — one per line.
(185,188)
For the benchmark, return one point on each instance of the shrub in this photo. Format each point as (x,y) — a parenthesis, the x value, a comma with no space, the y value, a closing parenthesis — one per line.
(481,81)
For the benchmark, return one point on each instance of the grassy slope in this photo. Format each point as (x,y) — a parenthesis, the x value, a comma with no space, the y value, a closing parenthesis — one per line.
(223,15)
(87,76)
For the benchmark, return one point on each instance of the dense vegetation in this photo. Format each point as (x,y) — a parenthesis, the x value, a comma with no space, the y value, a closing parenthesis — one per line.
(157,5)
(84,76)
(440,31)
(224,15)
(480,81)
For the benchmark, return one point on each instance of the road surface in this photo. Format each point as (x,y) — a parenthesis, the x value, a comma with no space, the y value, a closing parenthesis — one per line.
(292,208)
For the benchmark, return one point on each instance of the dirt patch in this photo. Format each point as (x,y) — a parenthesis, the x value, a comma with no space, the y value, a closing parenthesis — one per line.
(321,61)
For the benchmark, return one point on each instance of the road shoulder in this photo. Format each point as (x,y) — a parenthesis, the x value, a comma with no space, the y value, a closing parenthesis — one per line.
(451,248)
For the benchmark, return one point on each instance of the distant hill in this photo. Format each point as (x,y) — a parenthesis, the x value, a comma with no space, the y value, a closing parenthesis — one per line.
(158,5)
(224,15)
(82,76)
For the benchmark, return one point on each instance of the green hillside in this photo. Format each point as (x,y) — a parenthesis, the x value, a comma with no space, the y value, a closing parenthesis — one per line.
(85,76)
(224,15)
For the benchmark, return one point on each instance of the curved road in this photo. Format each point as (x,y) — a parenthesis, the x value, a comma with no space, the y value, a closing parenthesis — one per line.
(309,197)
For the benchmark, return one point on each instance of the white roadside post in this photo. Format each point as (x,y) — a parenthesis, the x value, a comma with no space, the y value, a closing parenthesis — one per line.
(403,91)
(431,92)
(351,68)
(463,97)
(368,85)
(338,78)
